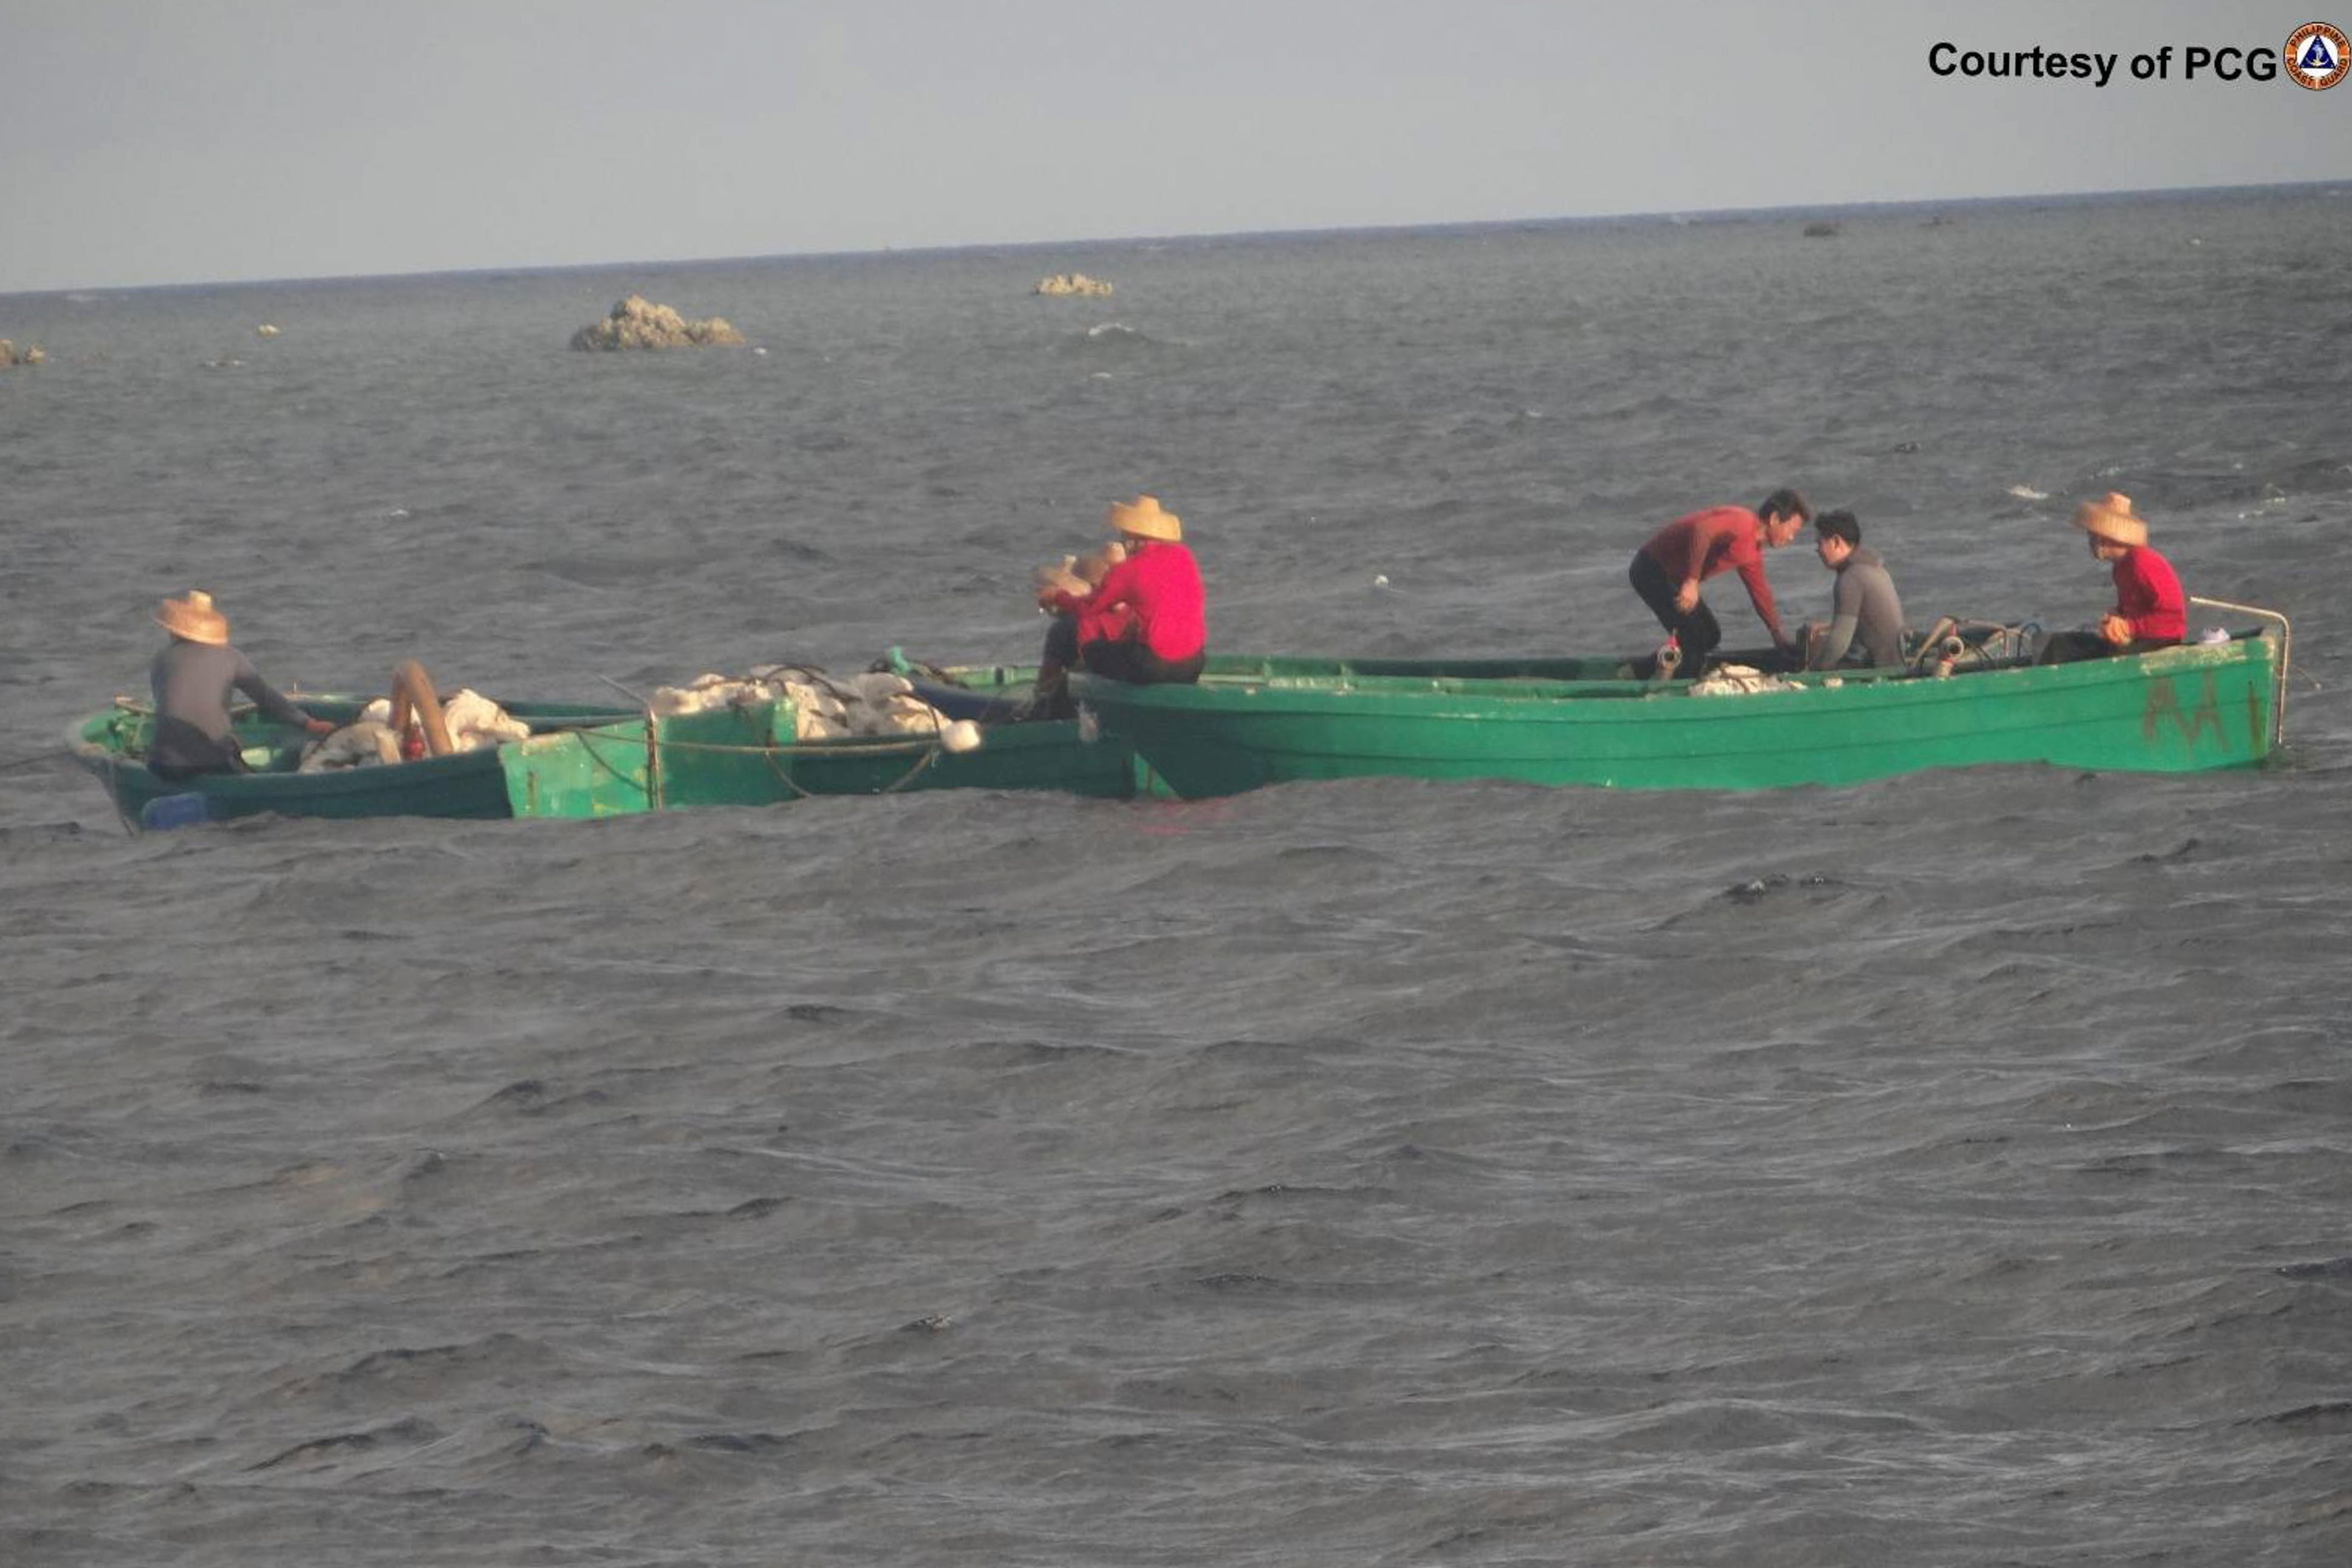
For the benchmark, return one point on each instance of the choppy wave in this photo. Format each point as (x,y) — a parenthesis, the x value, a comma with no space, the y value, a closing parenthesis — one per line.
(1116,338)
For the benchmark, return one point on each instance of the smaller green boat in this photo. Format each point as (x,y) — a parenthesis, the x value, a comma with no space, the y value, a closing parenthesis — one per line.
(2218,704)
(112,745)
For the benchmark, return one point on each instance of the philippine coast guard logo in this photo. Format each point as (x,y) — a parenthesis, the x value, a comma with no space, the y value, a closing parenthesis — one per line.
(2317,55)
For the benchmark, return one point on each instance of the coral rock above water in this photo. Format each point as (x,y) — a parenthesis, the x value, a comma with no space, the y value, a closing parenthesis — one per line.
(1072,283)
(636,323)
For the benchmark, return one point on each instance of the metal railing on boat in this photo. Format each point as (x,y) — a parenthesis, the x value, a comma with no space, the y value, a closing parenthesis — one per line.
(2286,655)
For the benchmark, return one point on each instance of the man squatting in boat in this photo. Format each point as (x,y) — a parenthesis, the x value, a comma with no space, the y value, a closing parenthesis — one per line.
(192,679)
(1668,569)
(1864,602)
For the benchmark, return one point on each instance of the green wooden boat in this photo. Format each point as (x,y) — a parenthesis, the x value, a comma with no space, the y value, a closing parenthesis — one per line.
(113,745)
(1572,721)
(747,755)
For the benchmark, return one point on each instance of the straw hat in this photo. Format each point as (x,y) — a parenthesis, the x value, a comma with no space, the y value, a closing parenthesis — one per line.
(1143,518)
(194,618)
(2111,517)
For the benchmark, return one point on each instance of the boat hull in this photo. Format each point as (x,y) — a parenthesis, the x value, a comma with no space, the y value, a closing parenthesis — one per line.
(2181,709)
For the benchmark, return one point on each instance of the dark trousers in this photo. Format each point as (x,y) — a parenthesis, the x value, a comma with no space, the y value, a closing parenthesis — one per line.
(2066,647)
(1696,631)
(1131,661)
(1061,642)
(1124,660)
(179,751)
(1054,662)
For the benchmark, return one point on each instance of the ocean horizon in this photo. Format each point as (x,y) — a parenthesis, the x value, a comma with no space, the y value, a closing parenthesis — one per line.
(1893,207)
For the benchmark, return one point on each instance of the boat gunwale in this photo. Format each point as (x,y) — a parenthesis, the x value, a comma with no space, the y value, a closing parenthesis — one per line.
(1524,697)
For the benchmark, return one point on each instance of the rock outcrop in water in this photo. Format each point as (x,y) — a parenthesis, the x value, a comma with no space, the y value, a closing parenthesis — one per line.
(637,323)
(1072,283)
(11,355)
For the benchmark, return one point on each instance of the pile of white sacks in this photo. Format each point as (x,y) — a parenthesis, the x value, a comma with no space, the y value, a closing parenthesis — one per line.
(1740,680)
(474,721)
(825,707)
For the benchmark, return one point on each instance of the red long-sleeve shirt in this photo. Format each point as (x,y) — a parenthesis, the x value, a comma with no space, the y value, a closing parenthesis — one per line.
(2148,595)
(1102,622)
(1721,538)
(1160,587)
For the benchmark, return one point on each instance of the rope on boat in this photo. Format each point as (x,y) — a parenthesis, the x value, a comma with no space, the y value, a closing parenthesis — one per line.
(786,780)
(922,762)
(924,751)
(2287,657)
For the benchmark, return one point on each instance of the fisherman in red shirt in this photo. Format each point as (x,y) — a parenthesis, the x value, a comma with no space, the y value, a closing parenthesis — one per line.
(1145,622)
(2149,612)
(1668,570)
(1071,582)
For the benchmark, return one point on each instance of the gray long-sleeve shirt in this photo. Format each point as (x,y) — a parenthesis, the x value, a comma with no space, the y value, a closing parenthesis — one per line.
(1865,600)
(192,682)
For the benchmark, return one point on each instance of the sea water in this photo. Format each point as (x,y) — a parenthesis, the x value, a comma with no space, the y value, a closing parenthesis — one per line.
(1948,1170)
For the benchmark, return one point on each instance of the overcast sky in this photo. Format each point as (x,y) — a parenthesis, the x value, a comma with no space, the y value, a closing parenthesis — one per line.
(149,141)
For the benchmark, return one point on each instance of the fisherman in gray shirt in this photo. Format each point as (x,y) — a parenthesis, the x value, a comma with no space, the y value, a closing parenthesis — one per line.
(192,679)
(1865,598)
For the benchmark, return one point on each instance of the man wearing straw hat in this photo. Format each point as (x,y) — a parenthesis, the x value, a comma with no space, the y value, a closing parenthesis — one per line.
(1145,622)
(2149,612)
(192,679)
